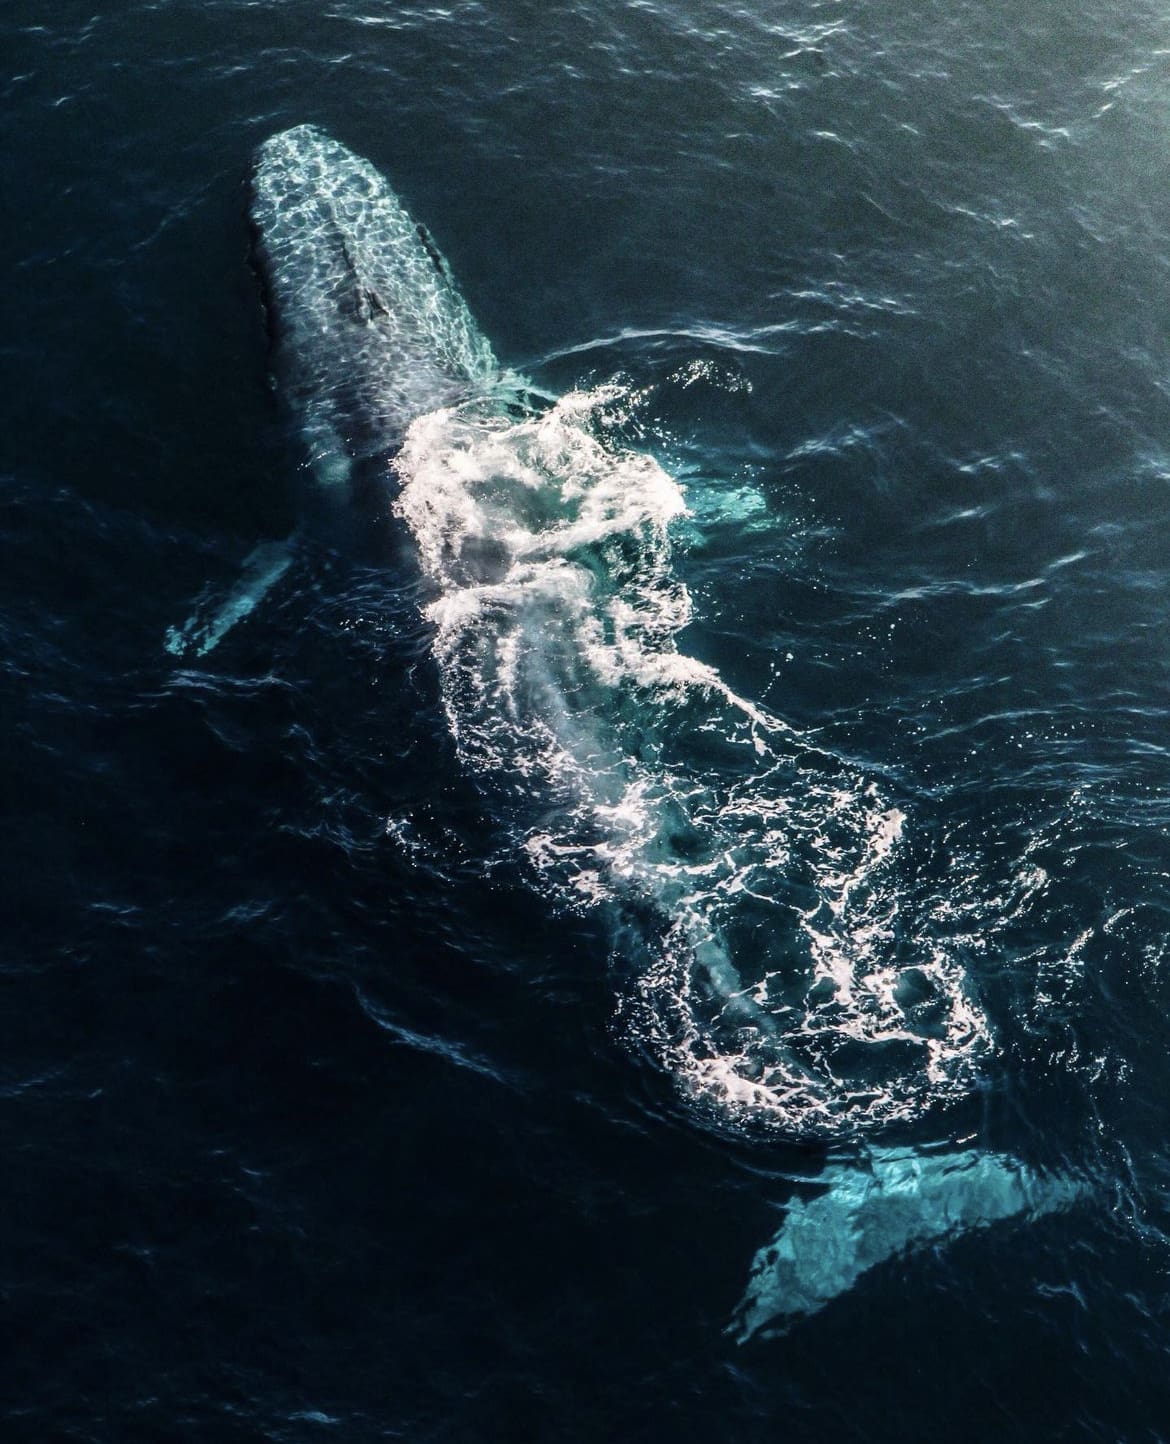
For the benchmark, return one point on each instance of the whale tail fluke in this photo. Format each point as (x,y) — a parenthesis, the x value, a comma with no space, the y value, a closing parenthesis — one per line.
(215,614)
(894,1202)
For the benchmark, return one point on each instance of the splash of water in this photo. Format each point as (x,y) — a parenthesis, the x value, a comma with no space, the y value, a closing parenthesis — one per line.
(754,894)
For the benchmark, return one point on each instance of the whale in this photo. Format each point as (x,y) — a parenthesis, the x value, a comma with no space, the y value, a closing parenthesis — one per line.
(751,902)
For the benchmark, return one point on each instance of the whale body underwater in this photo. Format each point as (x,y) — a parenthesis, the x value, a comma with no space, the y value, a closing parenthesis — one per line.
(666,801)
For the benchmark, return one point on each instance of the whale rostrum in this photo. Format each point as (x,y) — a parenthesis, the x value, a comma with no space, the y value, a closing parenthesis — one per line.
(369,333)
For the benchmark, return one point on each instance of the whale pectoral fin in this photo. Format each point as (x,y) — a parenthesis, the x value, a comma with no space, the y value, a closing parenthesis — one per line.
(215,614)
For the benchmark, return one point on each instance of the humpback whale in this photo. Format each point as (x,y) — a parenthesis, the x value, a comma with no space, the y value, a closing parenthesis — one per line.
(753,902)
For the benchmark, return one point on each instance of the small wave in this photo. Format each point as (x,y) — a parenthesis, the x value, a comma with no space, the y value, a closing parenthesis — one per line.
(753,882)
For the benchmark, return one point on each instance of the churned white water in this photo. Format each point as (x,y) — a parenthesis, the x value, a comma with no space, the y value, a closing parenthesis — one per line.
(755,896)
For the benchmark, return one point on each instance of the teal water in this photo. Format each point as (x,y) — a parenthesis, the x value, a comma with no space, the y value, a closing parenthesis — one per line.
(423,1016)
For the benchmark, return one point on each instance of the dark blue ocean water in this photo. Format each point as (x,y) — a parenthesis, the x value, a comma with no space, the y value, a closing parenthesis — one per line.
(323,1115)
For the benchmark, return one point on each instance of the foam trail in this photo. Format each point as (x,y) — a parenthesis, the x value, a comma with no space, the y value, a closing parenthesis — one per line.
(899,1200)
(772,975)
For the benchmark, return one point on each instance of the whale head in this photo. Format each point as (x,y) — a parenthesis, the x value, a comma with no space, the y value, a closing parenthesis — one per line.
(369,328)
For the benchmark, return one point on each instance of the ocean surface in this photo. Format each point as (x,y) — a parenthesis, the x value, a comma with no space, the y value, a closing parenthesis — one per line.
(421,1010)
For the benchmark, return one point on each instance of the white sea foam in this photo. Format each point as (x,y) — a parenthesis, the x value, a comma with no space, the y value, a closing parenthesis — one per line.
(776,976)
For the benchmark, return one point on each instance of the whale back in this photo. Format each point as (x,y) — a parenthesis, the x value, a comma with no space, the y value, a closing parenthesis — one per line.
(370,329)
